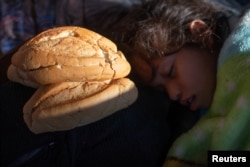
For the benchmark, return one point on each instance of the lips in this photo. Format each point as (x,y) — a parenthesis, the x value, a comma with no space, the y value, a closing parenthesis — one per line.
(188,102)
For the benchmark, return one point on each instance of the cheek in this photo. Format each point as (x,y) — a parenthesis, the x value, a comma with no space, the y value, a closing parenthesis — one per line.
(199,81)
(187,75)
(194,67)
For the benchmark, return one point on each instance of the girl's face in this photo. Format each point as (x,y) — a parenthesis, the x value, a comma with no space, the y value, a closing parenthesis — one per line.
(188,76)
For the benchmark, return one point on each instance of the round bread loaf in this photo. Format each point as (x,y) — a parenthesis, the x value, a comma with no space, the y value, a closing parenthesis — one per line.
(80,76)
(69,105)
(67,54)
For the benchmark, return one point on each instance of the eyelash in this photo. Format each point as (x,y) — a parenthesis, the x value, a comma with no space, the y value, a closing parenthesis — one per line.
(170,73)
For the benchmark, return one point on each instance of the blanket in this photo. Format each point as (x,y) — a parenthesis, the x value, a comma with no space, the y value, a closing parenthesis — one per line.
(226,125)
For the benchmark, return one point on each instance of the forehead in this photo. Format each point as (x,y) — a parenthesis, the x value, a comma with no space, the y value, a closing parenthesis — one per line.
(184,55)
(164,61)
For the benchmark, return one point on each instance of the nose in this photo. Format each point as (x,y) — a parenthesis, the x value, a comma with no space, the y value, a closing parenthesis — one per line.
(173,90)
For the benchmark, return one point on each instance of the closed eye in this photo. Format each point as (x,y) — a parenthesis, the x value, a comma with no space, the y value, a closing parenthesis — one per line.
(170,73)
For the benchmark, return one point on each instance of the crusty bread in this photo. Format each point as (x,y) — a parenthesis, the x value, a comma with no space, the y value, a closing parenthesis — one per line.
(80,76)
(61,93)
(20,76)
(73,110)
(71,54)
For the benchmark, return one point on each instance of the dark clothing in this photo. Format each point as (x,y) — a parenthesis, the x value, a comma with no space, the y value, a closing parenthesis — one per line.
(136,136)
(22,19)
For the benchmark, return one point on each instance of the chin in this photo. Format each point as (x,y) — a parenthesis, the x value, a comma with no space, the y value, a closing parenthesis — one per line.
(204,108)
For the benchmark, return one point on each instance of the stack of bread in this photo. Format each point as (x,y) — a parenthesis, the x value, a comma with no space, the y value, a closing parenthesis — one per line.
(79,76)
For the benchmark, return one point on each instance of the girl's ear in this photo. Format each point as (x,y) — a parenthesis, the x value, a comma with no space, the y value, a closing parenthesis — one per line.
(198,27)
(201,33)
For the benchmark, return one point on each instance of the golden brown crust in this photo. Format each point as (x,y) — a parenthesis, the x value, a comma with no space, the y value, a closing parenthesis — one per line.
(56,117)
(61,93)
(20,76)
(71,50)
(79,75)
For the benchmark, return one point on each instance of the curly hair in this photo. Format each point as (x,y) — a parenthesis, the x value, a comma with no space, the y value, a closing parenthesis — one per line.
(159,27)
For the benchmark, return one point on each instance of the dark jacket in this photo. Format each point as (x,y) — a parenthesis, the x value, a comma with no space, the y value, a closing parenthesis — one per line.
(136,136)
